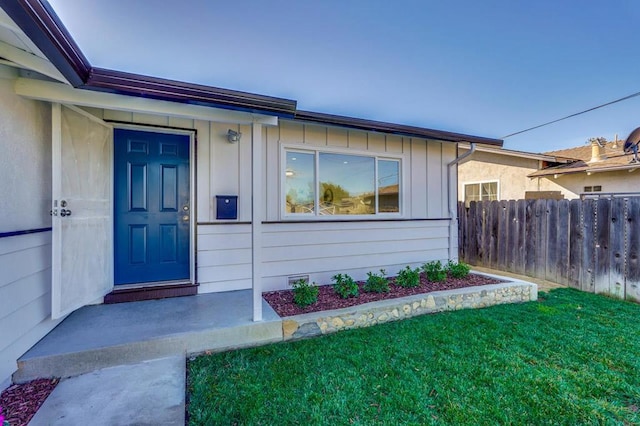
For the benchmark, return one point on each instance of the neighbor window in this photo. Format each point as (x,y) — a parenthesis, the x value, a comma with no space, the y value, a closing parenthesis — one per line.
(596,188)
(481,191)
(326,183)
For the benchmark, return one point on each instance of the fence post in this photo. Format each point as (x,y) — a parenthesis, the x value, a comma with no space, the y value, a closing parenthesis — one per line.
(562,262)
(588,246)
(576,242)
(552,249)
(617,239)
(601,270)
(632,284)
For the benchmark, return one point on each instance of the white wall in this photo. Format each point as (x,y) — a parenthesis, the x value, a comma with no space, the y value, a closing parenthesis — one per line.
(322,250)
(573,184)
(224,247)
(25,188)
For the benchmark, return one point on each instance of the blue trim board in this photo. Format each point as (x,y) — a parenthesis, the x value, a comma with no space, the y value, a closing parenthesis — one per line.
(25,232)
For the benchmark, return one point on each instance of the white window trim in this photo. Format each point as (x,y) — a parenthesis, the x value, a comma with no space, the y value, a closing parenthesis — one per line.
(316,150)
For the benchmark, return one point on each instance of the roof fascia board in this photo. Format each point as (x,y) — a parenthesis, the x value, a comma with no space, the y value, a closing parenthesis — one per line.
(31,62)
(7,22)
(397,129)
(43,27)
(521,154)
(40,23)
(584,170)
(62,93)
(177,91)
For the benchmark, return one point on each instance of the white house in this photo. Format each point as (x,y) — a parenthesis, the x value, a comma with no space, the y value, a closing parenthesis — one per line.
(115,183)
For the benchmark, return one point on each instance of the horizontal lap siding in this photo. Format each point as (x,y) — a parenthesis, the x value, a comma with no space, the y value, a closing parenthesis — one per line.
(321,250)
(224,257)
(25,296)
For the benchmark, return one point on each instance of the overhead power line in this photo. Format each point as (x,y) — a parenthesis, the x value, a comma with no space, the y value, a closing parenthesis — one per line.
(572,115)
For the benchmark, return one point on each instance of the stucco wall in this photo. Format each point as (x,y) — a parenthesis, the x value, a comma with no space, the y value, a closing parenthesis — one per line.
(510,172)
(620,181)
(25,158)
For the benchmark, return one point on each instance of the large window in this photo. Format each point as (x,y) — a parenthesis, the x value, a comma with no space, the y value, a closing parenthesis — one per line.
(481,191)
(325,183)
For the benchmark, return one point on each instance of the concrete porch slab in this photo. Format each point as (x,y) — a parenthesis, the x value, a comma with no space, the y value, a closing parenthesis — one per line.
(101,336)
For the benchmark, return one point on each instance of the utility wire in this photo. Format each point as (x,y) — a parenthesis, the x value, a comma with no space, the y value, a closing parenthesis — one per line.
(572,115)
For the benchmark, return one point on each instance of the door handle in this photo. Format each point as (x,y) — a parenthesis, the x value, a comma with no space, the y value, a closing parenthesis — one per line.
(65,212)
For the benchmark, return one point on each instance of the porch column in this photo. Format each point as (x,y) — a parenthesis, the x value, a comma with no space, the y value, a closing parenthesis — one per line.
(256,219)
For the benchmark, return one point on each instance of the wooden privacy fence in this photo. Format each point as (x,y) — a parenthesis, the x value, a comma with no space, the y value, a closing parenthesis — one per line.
(592,244)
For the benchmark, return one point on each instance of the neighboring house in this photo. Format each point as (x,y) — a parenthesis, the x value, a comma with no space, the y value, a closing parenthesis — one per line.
(597,171)
(493,173)
(118,186)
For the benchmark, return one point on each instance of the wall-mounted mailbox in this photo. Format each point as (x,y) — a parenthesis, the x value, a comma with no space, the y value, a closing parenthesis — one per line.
(226,206)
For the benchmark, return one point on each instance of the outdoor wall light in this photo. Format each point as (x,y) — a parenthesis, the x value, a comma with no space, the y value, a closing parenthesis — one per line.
(233,136)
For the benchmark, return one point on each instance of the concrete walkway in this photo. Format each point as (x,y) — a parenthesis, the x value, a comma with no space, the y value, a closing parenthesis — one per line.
(147,393)
(543,285)
(125,364)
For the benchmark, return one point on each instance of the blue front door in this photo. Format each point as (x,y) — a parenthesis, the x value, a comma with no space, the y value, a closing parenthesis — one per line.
(151,207)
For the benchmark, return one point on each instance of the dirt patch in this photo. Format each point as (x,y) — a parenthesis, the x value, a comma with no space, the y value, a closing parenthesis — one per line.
(20,402)
(282,301)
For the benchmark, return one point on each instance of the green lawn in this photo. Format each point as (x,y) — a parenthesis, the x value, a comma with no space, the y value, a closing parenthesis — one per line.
(570,358)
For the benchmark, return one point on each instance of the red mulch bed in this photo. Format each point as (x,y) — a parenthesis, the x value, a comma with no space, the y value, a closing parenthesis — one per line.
(282,301)
(20,402)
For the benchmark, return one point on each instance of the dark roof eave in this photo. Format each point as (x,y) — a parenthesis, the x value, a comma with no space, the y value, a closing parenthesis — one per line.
(397,129)
(175,91)
(41,24)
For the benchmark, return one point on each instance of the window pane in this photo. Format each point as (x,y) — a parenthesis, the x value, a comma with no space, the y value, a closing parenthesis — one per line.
(490,191)
(388,186)
(300,177)
(471,193)
(346,184)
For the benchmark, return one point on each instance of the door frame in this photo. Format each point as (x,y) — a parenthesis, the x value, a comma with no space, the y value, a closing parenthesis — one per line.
(192,198)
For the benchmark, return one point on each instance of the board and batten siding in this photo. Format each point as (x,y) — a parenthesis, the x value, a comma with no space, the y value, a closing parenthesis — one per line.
(424,163)
(321,249)
(223,257)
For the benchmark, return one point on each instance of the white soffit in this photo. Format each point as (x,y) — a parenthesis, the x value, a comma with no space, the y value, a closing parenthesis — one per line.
(57,92)
(16,47)
(29,61)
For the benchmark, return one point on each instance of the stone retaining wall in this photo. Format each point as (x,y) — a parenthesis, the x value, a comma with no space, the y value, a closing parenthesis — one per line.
(368,314)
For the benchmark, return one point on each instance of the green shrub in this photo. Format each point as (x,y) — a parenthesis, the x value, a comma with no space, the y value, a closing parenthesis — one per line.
(376,283)
(458,269)
(408,277)
(345,286)
(304,294)
(434,271)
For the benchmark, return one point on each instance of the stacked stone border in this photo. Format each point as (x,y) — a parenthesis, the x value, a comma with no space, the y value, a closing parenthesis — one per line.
(368,314)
